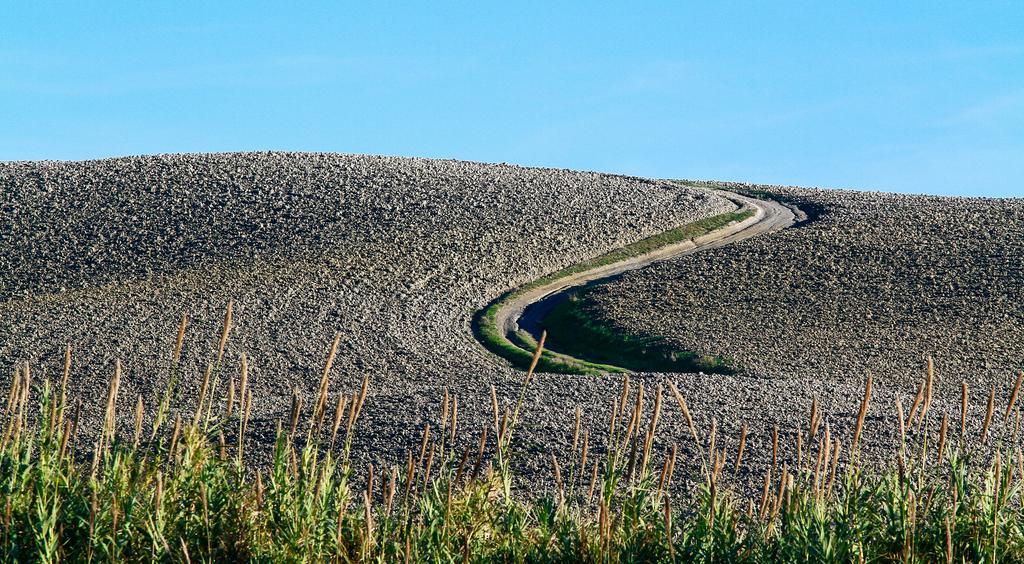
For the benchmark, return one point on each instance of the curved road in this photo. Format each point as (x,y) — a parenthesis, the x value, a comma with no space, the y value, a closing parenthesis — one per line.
(526,312)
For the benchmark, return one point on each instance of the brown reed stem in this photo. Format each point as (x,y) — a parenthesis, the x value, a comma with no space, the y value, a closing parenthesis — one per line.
(244,427)
(988,414)
(835,466)
(243,378)
(861,415)
(462,465)
(339,412)
(363,390)
(812,425)
(775,448)
(410,473)
(558,479)
(671,467)
(942,438)
(963,409)
(929,387)
(225,332)
(115,385)
(202,395)
(903,427)
(918,400)
(325,376)
(139,408)
(651,431)
(179,341)
(625,395)
(430,463)
(1013,395)
(228,409)
(765,493)
(739,452)
(480,452)
(593,483)
(64,379)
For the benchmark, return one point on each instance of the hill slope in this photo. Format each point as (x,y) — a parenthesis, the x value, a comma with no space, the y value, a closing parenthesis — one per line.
(393,253)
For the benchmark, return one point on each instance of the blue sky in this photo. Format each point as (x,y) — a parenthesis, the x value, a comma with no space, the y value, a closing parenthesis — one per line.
(899,96)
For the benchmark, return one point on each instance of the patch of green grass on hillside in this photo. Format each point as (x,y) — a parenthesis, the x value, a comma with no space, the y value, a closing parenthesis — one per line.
(572,330)
(519,355)
(490,335)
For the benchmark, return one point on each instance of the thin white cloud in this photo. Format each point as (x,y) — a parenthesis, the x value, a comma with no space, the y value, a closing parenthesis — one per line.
(657,76)
(44,74)
(993,111)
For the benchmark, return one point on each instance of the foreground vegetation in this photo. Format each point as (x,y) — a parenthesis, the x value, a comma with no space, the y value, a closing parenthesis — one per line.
(169,486)
(518,352)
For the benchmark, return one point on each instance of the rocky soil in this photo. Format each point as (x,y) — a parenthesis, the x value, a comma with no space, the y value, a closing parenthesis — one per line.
(395,254)
(872,283)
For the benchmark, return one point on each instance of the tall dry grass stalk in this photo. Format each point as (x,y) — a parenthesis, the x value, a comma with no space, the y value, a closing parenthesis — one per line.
(625,395)
(230,400)
(651,431)
(861,415)
(963,409)
(203,389)
(929,387)
(180,340)
(109,418)
(244,425)
(243,378)
(576,429)
(364,389)
(739,451)
(942,438)
(65,376)
(325,380)
(988,414)
(294,414)
(918,400)
(799,449)
(775,447)
(1013,395)
(686,411)
(339,414)
(835,466)
(812,426)
(225,331)
(558,479)
(13,391)
(902,424)
(712,436)
(139,412)
(536,356)
(765,494)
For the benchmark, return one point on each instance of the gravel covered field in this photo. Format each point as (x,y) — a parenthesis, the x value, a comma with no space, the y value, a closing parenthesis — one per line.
(395,254)
(872,283)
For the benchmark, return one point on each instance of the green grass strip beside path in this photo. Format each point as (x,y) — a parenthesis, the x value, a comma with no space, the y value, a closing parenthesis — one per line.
(490,335)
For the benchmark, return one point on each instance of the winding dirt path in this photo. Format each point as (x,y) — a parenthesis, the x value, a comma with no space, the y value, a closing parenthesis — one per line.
(527,311)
